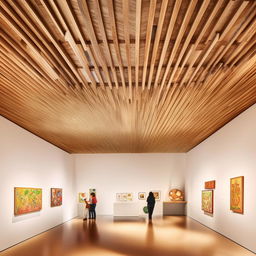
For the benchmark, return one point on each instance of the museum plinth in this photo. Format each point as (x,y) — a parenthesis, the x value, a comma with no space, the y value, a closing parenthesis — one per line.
(174,208)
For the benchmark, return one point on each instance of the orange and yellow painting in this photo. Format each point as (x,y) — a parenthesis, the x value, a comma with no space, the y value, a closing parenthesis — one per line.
(157,195)
(237,194)
(81,197)
(27,200)
(207,201)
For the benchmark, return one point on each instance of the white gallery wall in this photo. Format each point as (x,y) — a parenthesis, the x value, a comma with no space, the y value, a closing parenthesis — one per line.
(230,152)
(121,173)
(28,161)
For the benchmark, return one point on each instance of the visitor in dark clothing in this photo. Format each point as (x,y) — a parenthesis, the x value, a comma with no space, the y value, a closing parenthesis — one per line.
(93,202)
(151,204)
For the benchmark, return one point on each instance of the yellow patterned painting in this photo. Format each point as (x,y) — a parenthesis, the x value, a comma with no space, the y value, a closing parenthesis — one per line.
(237,194)
(207,201)
(27,200)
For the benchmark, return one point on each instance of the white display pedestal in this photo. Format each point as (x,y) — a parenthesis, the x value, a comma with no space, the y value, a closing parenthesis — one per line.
(126,209)
(80,210)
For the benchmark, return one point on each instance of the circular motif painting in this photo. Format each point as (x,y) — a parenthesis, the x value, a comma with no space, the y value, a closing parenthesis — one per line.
(145,209)
(176,195)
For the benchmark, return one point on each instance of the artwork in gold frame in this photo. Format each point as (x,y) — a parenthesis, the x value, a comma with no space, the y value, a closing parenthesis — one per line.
(157,195)
(27,200)
(207,201)
(142,196)
(237,194)
(129,196)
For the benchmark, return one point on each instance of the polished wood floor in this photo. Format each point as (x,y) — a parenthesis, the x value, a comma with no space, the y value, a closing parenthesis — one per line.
(176,236)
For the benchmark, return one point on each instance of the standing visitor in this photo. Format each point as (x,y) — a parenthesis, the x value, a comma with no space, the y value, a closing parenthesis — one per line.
(93,202)
(86,209)
(151,204)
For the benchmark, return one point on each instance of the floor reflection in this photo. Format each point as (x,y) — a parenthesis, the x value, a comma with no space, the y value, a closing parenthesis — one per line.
(178,236)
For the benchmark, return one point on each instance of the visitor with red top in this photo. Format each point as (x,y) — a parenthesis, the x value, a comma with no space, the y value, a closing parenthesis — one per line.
(93,202)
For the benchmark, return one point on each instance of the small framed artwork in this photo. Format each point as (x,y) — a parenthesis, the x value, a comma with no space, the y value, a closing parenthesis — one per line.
(207,201)
(81,197)
(56,197)
(142,196)
(118,197)
(237,194)
(210,184)
(129,196)
(123,196)
(157,195)
(92,190)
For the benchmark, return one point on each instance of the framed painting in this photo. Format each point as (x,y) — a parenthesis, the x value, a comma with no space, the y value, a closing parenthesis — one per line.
(237,194)
(207,201)
(27,200)
(81,197)
(56,197)
(210,184)
(92,190)
(124,197)
(157,195)
(129,196)
(142,196)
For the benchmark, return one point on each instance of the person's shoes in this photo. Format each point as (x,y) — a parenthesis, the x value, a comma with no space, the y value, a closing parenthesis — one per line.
(85,219)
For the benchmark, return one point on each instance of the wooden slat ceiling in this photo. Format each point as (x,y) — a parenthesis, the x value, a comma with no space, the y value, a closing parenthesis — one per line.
(126,75)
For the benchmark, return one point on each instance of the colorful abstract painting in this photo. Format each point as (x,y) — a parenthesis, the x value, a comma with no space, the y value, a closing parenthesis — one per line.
(157,195)
(27,200)
(142,196)
(237,194)
(207,201)
(56,197)
(81,197)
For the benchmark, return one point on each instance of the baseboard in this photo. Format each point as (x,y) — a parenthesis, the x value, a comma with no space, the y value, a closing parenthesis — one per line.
(38,234)
(221,234)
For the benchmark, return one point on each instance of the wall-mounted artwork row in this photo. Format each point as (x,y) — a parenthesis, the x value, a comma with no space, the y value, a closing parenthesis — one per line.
(124,197)
(207,201)
(81,197)
(56,197)
(237,194)
(27,200)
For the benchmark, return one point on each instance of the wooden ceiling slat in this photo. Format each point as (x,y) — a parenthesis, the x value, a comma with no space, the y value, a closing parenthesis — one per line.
(85,11)
(103,34)
(174,15)
(156,41)
(115,40)
(188,39)
(137,41)
(151,15)
(180,35)
(127,42)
